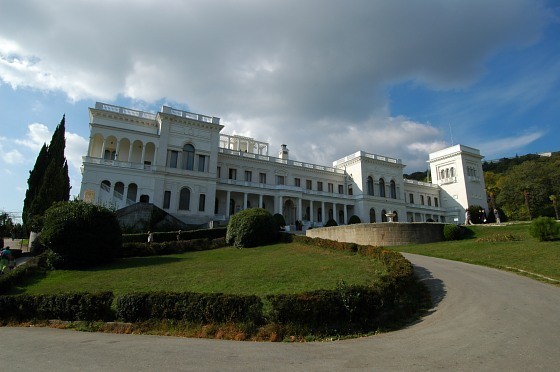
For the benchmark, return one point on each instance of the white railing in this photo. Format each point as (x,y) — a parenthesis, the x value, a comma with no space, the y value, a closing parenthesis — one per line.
(366,155)
(115,163)
(125,111)
(190,115)
(420,183)
(280,161)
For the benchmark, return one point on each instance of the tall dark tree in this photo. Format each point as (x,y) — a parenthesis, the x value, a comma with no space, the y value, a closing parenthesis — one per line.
(34,184)
(48,181)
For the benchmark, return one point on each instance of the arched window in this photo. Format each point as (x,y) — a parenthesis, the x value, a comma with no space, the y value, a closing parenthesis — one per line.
(185,199)
(452,172)
(119,190)
(370,186)
(382,187)
(188,157)
(106,185)
(442,174)
(372,215)
(429,201)
(393,190)
(132,192)
(396,217)
(383,215)
(447,173)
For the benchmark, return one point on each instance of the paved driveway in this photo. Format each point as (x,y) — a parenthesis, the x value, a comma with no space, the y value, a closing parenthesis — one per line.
(484,319)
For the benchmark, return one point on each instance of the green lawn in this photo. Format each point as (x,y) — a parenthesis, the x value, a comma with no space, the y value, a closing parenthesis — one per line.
(273,269)
(526,253)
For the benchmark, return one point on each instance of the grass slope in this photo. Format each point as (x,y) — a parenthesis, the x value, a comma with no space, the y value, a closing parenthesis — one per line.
(483,247)
(273,269)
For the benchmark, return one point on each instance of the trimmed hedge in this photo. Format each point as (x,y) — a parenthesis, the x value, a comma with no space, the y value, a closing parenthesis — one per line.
(344,310)
(544,229)
(162,237)
(194,307)
(73,306)
(154,249)
(452,232)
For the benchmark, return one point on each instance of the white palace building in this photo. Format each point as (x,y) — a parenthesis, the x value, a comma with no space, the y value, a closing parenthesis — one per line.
(182,163)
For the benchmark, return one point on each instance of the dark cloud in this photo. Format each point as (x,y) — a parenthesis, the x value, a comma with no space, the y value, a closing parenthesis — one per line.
(312,74)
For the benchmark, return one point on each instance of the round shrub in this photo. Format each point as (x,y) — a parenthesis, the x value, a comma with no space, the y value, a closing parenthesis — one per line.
(451,232)
(280,221)
(251,228)
(80,234)
(354,220)
(544,228)
(330,223)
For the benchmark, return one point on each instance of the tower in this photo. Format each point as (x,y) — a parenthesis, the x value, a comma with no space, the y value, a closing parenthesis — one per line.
(458,172)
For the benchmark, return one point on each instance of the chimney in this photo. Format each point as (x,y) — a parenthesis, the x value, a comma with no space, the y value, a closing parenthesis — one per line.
(283,154)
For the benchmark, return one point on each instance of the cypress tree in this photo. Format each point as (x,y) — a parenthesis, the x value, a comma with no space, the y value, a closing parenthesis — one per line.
(48,181)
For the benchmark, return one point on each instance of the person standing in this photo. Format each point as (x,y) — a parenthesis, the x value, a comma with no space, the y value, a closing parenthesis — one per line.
(6,260)
(497,216)
(150,237)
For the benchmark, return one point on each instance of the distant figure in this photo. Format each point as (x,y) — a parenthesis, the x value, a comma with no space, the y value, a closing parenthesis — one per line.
(150,237)
(6,260)
(497,215)
(179,235)
(468,217)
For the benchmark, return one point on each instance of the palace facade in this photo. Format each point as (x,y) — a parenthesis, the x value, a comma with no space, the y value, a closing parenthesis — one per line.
(182,163)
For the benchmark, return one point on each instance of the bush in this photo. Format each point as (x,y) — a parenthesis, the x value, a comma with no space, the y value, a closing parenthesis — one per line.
(80,234)
(280,221)
(451,232)
(251,228)
(202,308)
(67,306)
(354,220)
(544,228)
(331,223)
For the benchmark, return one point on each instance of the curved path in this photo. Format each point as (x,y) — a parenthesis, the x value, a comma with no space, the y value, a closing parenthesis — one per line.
(484,319)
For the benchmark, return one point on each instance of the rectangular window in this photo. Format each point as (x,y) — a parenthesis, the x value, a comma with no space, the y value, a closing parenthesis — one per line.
(166,199)
(308,184)
(341,189)
(280,180)
(219,172)
(248,176)
(172,157)
(232,173)
(331,187)
(201,163)
(262,177)
(202,203)
(319,186)
(297,182)
(411,198)
(436,202)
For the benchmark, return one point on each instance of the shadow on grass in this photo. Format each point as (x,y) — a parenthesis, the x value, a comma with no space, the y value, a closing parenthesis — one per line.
(134,262)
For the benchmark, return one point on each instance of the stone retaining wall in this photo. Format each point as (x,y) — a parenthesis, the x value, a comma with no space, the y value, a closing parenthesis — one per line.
(381,234)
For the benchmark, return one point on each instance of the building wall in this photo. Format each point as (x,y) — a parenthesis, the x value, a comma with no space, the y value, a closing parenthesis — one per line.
(136,156)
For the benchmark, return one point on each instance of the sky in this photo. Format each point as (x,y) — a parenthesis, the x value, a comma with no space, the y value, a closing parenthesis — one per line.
(400,78)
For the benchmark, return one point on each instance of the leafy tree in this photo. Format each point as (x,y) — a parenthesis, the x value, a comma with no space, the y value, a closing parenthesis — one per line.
(48,181)
(251,228)
(79,234)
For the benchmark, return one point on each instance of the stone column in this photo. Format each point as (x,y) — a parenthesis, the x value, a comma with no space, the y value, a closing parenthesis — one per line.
(311,210)
(300,207)
(345,213)
(323,212)
(228,197)
(260,201)
(244,201)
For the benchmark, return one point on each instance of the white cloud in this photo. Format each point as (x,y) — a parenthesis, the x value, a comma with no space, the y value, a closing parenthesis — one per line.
(504,145)
(13,157)
(37,135)
(312,74)
(76,147)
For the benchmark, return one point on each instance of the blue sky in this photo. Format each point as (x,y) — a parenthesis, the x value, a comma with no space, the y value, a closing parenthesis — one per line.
(327,78)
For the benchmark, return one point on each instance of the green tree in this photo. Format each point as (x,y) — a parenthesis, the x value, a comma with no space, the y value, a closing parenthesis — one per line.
(48,181)
(34,183)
